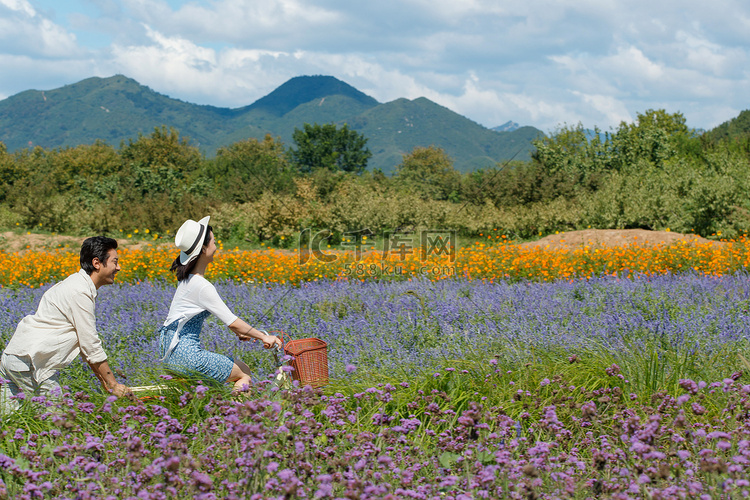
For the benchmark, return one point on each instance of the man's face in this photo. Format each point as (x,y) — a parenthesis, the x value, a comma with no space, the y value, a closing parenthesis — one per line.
(105,273)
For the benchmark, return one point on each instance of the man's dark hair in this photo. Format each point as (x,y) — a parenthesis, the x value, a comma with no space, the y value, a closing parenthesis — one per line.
(95,247)
(182,271)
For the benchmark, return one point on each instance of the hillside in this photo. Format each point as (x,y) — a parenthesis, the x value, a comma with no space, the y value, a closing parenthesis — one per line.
(109,109)
(118,108)
(734,129)
(305,89)
(399,126)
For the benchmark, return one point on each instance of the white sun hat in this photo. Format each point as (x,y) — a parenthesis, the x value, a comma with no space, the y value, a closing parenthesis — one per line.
(190,237)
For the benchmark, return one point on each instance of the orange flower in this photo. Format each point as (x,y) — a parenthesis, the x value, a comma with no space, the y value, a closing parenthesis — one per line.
(479,261)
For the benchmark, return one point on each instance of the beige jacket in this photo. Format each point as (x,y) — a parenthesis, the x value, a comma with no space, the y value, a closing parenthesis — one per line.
(63,326)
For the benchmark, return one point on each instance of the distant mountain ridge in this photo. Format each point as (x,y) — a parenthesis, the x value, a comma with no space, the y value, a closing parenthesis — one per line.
(508,126)
(303,89)
(118,108)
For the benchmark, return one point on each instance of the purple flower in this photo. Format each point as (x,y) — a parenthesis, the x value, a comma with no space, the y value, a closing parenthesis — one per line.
(698,409)
(612,370)
(719,435)
(286,475)
(448,481)
(202,481)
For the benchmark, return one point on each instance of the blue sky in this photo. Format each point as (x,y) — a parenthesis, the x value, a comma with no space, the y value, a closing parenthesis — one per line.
(544,63)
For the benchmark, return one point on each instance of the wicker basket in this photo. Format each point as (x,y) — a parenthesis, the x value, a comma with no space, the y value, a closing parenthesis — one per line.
(310,361)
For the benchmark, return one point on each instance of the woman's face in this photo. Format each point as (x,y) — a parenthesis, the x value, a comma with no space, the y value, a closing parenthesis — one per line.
(210,249)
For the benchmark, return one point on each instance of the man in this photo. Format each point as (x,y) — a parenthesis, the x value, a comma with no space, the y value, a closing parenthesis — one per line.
(62,327)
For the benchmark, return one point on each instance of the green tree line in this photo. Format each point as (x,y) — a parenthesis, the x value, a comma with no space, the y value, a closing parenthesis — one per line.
(654,173)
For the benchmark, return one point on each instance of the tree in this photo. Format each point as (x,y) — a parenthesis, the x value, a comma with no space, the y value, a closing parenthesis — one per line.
(570,150)
(429,172)
(163,148)
(74,166)
(36,193)
(655,137)
(160,163)
(245,170)
(11,171)
(326,147)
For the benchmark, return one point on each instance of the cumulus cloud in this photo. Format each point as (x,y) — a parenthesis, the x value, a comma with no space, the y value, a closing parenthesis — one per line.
(24,32)
(610,109)
(282,24)
(177,66)
(21,6)
(537,62)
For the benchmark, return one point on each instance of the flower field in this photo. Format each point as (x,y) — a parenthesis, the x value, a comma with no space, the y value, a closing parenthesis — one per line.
(485,261)
(527,374)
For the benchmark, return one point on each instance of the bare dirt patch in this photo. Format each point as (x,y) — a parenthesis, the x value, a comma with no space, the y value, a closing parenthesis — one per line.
(612,238)
(14,241)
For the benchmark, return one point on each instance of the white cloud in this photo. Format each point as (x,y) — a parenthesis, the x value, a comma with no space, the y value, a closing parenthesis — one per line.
(19,6)
(56,72)
(701,54)
(632,64)
(23,31)
(537,62)
(238,21)
(612,110)
(176,66)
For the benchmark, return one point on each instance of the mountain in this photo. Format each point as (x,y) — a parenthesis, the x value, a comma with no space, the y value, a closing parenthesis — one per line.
(508,126)
(396,127)
(110,109)
(305,89)
(736,128)
(118,109)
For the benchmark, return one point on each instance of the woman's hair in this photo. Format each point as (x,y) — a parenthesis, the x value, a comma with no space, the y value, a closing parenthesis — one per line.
(182,271)
(96,247)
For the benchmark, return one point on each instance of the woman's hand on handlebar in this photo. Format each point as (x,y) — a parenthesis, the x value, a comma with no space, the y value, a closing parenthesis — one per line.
(270,341)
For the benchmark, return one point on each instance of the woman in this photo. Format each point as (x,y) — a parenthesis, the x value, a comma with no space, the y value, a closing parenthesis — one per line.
(194,300)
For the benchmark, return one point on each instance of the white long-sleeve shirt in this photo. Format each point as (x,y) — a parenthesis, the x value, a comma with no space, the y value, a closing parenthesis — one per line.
(195,295)
(63,327)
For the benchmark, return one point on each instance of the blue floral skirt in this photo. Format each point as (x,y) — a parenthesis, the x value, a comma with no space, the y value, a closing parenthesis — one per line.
(188,358)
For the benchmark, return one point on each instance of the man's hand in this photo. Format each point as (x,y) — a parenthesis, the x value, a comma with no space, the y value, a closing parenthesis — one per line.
(107,379)
(120,390)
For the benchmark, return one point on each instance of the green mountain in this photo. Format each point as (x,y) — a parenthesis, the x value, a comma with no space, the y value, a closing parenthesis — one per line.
(302,90)
(118,108)
(736,128)
(396,127)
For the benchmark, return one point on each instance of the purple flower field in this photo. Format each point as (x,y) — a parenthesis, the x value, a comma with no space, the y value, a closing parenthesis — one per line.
(603,388)
(300,444)
(409,324)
